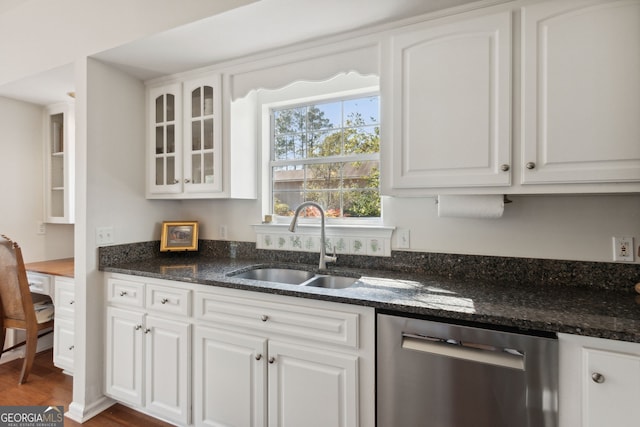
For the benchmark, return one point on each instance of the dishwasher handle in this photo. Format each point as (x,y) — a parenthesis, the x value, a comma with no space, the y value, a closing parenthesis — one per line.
(505,358)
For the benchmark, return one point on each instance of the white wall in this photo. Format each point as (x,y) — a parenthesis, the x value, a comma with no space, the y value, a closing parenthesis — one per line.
(22,194)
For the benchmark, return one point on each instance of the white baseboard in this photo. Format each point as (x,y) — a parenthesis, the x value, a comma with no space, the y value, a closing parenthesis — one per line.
(79,413)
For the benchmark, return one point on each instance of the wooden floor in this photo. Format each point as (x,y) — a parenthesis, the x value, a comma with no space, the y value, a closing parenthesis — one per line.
(47,385)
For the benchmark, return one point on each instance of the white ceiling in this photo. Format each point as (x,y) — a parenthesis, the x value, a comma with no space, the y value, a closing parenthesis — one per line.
(259,26)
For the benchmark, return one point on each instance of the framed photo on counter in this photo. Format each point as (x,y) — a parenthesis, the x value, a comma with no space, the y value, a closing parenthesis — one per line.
(179,236)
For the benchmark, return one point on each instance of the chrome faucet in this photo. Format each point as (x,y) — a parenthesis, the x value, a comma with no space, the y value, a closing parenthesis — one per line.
(324,258)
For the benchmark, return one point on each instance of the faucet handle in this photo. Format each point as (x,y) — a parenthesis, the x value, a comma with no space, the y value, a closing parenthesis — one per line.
(334,251)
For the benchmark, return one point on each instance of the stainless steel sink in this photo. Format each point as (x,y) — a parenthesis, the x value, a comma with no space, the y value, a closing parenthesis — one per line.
(278,275)
(296,277)
(331,282)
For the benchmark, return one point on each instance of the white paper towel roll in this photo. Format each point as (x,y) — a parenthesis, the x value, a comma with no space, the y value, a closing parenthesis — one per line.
(491,206)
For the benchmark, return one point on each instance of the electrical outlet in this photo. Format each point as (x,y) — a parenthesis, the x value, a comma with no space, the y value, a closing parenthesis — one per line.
(402,238)
(623,249)
(42,228)
(104,236)
(222,232)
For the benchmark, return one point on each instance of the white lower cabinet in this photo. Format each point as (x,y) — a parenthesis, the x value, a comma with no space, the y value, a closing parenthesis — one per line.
(231,385)
(63,325)
(310,387)
(258,359)
(149,355)
(599,382)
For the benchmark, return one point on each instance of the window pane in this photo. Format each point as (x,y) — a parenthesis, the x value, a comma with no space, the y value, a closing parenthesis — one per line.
(208,100)
(159,170)
(361,111)
(195,103)
(171,170)
(196,169)
(171,140)
(324,116)
(208,134)
(208,167)
(159,109)
(159,139)
(324,176)
(196,141)
(290,121)
(327,143)
(171,107)
(362,140)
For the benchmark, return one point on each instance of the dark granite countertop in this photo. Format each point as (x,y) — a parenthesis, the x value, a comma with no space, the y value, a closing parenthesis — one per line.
(551,308)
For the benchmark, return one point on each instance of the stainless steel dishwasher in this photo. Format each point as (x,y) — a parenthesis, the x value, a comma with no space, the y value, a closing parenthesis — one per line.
(432,374)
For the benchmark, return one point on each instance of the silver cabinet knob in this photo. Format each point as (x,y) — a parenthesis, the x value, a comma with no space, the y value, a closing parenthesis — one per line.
(530,165)
(146,331)
(138,327)
(164,300)
(597,377)
(258,356)
(71,302)
(187,180)
(272,360)
(505,168)
(264,317)
(123,293)
(71,347)
(175,181)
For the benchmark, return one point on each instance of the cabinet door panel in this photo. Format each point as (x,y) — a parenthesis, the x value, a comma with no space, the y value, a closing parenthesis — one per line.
(231,380)
(581,92)
(203,135)
(124,355)
(165,145)
(168,361)
(63,336)
(309,387)
(614,401)
(451,104)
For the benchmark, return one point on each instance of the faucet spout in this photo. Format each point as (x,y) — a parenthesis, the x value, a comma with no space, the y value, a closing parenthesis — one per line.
(324,258)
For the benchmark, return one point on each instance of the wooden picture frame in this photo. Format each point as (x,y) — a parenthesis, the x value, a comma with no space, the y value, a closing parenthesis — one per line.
(179,236)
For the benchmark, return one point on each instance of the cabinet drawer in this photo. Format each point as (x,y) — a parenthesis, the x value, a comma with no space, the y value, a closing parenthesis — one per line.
(125,292)
(169,300)
(326,326)
(64,299)
(39,283)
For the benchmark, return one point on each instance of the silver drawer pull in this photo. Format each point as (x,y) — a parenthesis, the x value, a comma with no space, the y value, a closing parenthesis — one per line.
(597,377)
(264,317)
(164,300)
(123,293)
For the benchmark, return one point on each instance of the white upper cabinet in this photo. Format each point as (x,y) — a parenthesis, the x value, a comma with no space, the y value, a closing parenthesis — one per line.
(189,155)
(581,92)
(448,117)
(59,164)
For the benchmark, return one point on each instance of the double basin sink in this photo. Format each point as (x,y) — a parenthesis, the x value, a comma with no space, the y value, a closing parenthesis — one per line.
(296,277)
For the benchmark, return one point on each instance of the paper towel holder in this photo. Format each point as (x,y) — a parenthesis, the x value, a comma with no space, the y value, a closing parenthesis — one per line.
(505,199)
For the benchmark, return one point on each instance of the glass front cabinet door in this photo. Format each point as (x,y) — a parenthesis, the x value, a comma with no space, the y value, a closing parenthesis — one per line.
(185,139)
(59,163)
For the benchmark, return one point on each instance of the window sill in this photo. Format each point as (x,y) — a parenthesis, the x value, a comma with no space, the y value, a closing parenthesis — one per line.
(372,240)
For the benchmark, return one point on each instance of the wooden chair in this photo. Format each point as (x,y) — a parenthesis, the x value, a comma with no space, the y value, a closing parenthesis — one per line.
(17,309)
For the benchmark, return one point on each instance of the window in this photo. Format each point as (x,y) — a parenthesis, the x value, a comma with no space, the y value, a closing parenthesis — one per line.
(327,152)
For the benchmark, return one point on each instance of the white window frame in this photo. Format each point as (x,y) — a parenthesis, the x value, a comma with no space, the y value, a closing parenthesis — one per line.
(317,97)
